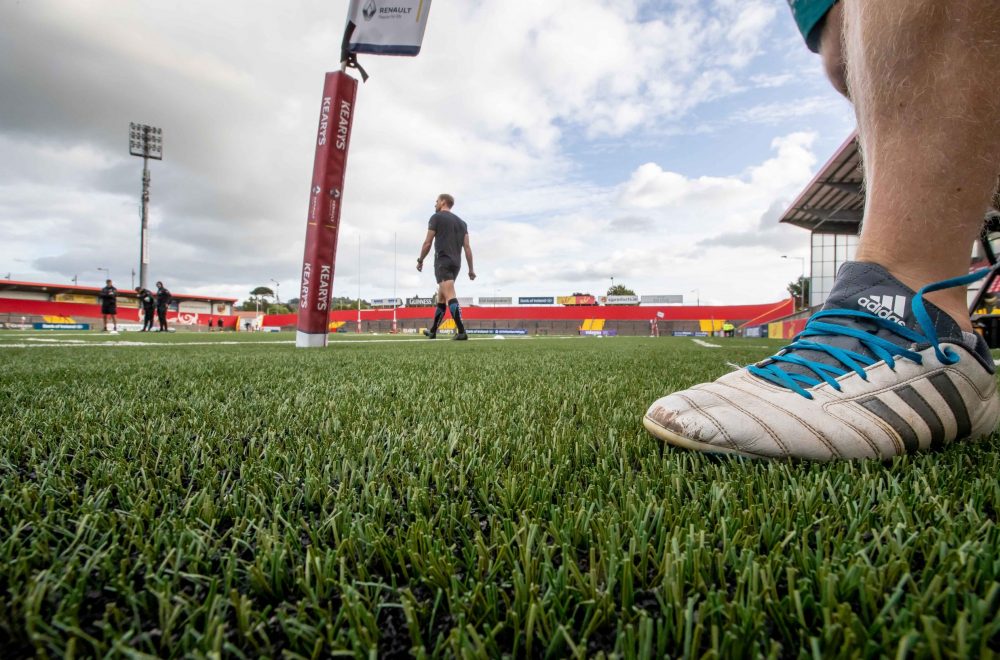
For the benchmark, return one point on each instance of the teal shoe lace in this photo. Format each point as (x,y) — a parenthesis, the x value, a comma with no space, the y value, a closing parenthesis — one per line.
(881,349)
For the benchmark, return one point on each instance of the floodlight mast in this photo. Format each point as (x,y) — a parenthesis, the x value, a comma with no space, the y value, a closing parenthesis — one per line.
(145,141)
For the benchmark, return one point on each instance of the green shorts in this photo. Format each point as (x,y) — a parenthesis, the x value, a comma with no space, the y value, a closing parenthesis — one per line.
(809,15)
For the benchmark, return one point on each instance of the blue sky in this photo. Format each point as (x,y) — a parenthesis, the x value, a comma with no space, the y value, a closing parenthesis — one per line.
(583,139)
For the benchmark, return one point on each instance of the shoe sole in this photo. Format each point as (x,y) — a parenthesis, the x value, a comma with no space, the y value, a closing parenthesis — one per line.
(672,438)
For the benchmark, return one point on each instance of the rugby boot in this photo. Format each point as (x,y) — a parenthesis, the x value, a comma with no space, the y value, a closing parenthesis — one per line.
(460,336)
(429,334)
(877,373)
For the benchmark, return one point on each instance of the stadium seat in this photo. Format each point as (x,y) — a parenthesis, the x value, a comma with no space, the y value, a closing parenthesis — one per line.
(711,325)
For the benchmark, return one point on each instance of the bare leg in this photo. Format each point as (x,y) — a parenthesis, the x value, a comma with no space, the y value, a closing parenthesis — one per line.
(924,75)
(446,291)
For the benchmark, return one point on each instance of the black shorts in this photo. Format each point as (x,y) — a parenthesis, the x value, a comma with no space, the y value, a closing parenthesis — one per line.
(445,270)
(109,308)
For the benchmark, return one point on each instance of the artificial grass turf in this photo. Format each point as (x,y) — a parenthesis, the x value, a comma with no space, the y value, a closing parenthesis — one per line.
(434,498)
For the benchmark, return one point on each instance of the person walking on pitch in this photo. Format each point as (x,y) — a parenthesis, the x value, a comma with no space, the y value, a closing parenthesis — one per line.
(449,236)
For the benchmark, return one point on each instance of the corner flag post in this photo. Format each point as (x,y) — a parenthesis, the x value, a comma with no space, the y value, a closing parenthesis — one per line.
(394,28)
(323,225)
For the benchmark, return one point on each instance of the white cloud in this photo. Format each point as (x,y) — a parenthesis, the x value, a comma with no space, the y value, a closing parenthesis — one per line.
(779,112)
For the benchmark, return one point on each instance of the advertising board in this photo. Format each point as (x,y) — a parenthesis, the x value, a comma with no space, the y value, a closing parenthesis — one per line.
(61,326)
(495,300)
(662,300)
(576,300)
(496,331)
(622,300)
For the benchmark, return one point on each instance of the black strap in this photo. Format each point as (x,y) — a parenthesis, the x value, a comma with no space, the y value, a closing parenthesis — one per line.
(347,58)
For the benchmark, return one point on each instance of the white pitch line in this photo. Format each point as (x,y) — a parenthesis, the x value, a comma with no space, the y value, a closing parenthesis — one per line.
(89,344)
(705,344)
(85,344)
(40,342)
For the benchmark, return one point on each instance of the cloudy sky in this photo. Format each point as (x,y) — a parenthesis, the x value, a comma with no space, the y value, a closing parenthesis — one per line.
(655,142)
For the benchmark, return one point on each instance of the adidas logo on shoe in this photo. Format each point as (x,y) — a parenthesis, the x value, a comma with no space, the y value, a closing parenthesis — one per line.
(890,308)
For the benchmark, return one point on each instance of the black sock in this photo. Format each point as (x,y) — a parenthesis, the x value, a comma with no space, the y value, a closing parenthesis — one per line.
(456,313)
(438,317)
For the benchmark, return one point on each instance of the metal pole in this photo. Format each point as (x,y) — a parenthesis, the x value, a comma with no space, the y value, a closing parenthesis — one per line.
(394,282)
(359,283)
(145,141)
(144,242)
(802,283)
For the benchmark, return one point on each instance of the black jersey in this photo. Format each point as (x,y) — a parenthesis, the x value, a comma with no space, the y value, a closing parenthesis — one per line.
(109,300)
(449,236)
(147,299)
(163,297)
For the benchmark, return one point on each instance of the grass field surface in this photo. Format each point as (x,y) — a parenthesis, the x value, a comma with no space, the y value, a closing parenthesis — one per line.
(227,494)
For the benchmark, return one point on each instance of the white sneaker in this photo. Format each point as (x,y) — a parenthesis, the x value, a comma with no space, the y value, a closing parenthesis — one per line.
(895,376)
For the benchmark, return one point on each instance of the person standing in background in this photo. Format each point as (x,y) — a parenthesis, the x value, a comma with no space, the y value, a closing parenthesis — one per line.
(109,304)
(163,298)
(148,303)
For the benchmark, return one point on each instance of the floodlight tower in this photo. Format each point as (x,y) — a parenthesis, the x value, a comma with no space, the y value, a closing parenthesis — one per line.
(145,141)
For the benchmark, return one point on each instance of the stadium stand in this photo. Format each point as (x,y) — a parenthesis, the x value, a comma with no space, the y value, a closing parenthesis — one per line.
(38,302)
(557,320)
(593,324)
(710,325)
(785,329)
